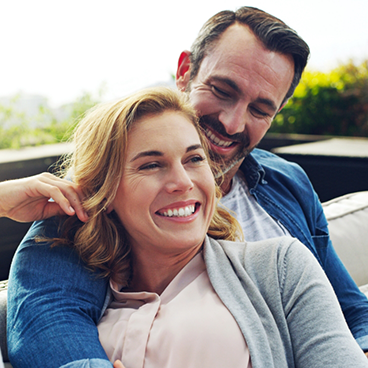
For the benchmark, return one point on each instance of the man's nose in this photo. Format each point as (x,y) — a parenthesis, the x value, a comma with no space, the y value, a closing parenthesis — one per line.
(234,119)
(178,179)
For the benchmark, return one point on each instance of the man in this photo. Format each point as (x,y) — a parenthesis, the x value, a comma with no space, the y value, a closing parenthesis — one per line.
(242,69)
(240,73)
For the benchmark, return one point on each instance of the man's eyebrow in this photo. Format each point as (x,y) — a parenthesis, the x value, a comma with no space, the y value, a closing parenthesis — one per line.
(160,154)
(227,81)
(236,88)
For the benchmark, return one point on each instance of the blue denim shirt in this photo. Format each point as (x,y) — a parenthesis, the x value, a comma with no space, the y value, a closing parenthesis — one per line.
(283,189)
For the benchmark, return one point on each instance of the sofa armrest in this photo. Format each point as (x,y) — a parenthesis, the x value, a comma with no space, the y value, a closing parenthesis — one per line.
(347,218)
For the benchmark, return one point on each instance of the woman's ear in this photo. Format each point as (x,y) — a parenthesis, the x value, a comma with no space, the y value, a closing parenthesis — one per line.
(109,208)
(183,71)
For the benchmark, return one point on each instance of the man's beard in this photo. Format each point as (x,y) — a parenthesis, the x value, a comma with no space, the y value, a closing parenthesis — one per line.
(241,139)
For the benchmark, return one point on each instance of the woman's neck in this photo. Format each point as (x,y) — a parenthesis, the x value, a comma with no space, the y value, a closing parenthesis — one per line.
(154,274)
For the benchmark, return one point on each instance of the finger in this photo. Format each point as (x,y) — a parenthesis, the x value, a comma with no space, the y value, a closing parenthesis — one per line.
(53,209)
(51,191)
(118,364)
(75,197)
(65,194)
(74,194)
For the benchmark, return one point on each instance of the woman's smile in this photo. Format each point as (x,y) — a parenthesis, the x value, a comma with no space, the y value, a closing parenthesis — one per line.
(182,212)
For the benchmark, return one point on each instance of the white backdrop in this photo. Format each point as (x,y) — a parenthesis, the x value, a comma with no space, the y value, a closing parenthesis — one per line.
(60,48)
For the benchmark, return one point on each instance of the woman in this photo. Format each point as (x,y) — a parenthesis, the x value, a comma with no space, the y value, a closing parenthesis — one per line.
(187,292)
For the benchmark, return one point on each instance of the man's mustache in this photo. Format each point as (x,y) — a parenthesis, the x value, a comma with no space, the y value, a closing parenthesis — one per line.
(214,124)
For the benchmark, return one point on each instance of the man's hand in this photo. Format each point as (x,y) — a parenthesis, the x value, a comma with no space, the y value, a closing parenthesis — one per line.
(27,199)
(118,364)
(366,354)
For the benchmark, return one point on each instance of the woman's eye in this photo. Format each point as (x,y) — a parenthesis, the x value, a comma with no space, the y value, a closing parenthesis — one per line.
(150,166)
(197,159)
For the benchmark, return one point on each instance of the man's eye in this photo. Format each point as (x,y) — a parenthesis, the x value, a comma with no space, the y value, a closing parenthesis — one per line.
(258,113)
(219,92)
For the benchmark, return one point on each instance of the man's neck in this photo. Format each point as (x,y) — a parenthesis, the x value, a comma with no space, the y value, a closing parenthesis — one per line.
(226,184)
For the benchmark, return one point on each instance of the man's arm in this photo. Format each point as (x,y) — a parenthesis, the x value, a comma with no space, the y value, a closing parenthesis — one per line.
(54,304)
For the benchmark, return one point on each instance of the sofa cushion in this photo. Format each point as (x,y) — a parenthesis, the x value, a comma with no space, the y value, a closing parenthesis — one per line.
(348,225)
(3,302)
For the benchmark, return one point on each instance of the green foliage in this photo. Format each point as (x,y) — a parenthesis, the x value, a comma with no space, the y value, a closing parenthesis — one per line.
(334,103)
(19,129)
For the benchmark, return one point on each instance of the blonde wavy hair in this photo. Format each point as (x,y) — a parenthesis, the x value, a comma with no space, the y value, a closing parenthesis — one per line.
(97,165)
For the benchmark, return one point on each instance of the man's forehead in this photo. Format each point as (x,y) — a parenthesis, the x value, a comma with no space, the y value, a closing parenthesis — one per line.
(241,61)
(239,35)
(238,46)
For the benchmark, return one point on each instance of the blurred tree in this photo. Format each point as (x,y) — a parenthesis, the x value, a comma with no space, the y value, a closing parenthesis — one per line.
(19,128)
(334,103)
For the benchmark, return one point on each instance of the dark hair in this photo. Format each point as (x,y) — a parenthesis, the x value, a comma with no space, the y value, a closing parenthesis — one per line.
(271,31)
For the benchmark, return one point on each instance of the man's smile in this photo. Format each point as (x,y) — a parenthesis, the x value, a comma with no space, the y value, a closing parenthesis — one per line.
(214,139)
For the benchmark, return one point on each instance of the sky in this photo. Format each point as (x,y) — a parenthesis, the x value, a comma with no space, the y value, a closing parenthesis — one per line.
(60,49)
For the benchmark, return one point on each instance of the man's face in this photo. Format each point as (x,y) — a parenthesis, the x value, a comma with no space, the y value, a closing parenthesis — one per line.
(237,92)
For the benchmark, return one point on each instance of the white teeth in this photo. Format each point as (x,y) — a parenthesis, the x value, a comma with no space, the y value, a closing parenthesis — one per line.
(216,140)
(180,212)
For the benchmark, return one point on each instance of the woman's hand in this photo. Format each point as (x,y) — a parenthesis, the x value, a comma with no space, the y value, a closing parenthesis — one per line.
(27,199)
(118,364)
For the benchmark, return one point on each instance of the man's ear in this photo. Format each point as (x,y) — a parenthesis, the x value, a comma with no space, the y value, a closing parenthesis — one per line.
(183,71)
(282,106)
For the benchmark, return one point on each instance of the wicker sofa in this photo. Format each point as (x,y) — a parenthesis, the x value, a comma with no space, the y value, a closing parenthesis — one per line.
(348,225)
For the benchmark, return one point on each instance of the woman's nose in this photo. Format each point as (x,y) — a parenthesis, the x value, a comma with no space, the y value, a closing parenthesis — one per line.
(178,180)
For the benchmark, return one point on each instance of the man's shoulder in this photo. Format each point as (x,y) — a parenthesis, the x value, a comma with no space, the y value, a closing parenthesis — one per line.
(271,162)
(266,157)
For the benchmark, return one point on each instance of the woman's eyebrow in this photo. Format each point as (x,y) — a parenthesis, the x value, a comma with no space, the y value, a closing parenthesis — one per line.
(146,153)
(194,147)
(160,154)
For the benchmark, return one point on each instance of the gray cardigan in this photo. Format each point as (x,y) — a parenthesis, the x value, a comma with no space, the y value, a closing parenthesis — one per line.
(283,304)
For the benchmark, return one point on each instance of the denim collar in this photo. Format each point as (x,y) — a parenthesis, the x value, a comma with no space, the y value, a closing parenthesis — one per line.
(253,172)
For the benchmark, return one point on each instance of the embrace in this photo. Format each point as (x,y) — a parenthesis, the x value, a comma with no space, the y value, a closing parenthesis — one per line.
(154,272)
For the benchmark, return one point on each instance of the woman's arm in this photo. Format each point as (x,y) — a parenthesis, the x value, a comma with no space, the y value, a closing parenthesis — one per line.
(317,327)
(27,199)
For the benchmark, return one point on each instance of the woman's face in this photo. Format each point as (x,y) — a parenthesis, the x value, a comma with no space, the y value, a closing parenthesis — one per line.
(166,197)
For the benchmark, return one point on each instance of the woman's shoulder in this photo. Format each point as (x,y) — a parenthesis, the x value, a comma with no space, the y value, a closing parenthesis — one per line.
(278,247)
(276,255)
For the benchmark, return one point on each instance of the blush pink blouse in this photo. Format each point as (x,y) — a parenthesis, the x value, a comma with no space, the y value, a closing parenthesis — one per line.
(186,326)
